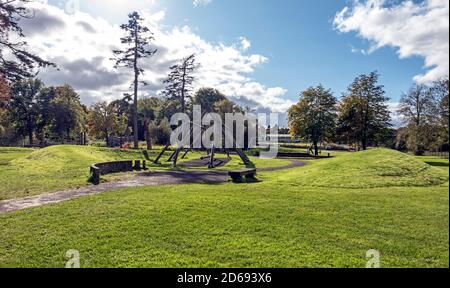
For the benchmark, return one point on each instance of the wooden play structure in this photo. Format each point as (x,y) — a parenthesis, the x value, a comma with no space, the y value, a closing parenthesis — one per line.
(183,151)
(211,155)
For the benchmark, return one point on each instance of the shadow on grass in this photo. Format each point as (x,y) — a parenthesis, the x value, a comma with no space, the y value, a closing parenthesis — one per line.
(438,164)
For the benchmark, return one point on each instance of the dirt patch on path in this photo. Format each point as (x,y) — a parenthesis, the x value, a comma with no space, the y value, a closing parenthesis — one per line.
(139,180)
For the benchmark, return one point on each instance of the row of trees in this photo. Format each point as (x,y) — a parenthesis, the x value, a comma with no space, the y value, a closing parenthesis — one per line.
(362,116)
(32,110)
(19,65)
(425,115)
(29,109)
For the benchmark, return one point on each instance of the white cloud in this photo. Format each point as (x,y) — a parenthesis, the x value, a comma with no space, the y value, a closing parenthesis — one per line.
(198,3)
(245,43)
(415,29)
(81,46)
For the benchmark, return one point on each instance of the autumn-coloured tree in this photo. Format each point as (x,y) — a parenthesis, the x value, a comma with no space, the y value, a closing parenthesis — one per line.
(104,121)
(4,92)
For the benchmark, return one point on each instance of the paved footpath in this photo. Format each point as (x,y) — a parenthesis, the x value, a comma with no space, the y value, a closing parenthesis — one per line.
(140,180)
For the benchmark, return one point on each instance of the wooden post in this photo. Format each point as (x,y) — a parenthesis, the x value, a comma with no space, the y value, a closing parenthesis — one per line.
(161,154)
(171,156)
(185,153)
(211,160)
(137,165)
(175,156)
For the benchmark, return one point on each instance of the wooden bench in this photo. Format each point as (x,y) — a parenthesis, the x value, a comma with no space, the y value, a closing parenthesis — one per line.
(99,169)
(237,175)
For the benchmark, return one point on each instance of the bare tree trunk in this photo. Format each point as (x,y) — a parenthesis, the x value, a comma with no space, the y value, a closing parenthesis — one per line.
(183,103)
(316,148)
(135,106)
(30,137)
(148,135)
(364,143)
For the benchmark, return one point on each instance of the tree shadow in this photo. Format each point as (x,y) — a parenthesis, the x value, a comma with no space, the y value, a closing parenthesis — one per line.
(438,164)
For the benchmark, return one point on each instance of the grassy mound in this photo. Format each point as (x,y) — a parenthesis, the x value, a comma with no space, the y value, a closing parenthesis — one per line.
(8,154)
(27,172)
(275,223)
(370,169)
(58,157)
(30,172)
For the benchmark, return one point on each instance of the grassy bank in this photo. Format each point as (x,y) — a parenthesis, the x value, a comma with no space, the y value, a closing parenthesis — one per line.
(288,220)
(27,172)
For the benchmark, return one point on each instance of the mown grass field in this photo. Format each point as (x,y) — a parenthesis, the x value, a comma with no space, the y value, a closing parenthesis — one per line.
(326,214)
(27,172)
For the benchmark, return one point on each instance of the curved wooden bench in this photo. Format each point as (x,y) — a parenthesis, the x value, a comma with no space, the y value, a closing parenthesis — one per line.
(99,169)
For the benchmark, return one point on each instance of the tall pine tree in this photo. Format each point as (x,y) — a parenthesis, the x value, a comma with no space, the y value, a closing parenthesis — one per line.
(179,82)
(137,41)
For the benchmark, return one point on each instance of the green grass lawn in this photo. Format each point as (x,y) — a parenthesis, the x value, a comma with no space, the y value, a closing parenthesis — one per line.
(326,214)
(439,162)
(9,154)
(27,172)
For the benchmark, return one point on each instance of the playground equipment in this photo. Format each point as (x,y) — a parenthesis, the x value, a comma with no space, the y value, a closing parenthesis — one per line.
(211,153)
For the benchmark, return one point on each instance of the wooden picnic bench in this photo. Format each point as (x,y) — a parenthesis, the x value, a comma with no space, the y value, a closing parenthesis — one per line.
(237,175)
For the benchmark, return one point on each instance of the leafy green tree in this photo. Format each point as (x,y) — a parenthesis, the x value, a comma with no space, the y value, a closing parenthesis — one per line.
(137,47)
(417,109)
(24,106)
(105,122)
(440,91)
(68,113)
(179,82)
(148,109)
(16,63)
(208,98)
(164,131)
(314,117)
(168,109)
(45,111)
(363,113)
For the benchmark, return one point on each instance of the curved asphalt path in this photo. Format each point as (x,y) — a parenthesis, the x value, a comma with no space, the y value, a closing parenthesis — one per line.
(140,180)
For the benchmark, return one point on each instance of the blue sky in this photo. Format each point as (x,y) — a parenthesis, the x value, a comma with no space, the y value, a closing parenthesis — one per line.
(301,41)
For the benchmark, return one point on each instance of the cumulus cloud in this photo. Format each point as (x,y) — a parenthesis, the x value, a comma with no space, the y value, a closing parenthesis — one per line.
(415,29)
(198,3)
(81,46)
